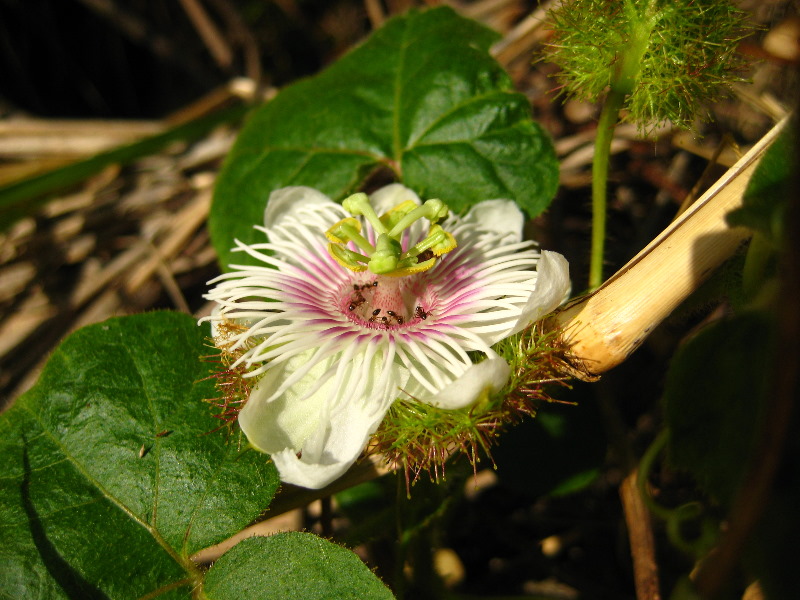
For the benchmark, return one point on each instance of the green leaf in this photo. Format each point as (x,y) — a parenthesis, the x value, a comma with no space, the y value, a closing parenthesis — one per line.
(768,192)
(715,387)
(110,477)
(292,566)
(421,97)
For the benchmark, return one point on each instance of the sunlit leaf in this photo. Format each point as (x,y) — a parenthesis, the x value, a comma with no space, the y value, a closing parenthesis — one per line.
(422,98)
(110,477)
(292,566)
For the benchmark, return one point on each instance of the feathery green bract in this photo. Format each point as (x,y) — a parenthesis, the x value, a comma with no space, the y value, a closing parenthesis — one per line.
(416,437)
(681,54)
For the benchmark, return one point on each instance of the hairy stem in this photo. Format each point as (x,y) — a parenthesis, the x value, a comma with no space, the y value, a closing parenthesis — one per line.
(628,64)
(602,152)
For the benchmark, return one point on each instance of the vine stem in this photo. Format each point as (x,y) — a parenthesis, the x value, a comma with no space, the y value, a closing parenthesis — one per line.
(626,71)
(602,153)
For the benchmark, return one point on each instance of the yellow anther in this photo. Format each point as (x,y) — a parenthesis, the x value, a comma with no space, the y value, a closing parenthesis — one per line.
(401,271)
(338,233)
(445,242)
(347,258)
(395,214)
(349,230)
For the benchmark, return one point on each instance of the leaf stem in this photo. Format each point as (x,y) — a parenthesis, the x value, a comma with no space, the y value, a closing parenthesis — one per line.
(602,152)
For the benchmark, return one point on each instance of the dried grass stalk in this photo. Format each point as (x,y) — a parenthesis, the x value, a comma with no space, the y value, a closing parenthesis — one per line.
(605,327)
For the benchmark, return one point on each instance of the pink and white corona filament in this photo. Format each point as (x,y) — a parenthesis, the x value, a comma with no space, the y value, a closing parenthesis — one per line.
(359,304)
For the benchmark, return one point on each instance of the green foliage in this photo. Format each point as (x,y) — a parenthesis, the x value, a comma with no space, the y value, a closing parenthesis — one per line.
(669,57)
(109,479)
(713,401)
(291,566)
(770,551)
(112,479)
(422,98)
(765,200)
(721,385)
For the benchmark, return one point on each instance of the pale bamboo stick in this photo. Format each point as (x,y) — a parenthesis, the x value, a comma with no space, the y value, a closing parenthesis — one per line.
(605,327)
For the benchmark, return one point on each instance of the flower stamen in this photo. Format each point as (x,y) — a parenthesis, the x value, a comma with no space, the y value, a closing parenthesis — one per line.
(349,230)
(347,258)
(387,257)
(433,210)
(358,205)
(438,241)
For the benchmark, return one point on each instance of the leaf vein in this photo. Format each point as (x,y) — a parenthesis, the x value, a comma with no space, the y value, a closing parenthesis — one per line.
(455,108)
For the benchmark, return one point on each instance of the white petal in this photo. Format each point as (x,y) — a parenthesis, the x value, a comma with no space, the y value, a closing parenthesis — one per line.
(390,196)
(327,416)
(502,217)
(313,476)
(488,376)
(272,425)
(288,201)
(341,438)
(552,289)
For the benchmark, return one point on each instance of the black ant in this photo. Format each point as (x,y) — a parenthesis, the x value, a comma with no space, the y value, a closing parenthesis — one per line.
(420,313)
(424,255)
(394,315)
(355,301)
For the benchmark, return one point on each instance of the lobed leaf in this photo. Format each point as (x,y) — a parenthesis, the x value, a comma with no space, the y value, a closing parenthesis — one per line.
(109,481)
(421,97)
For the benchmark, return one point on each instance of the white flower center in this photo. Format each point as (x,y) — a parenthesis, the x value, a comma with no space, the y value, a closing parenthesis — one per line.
(380,302)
